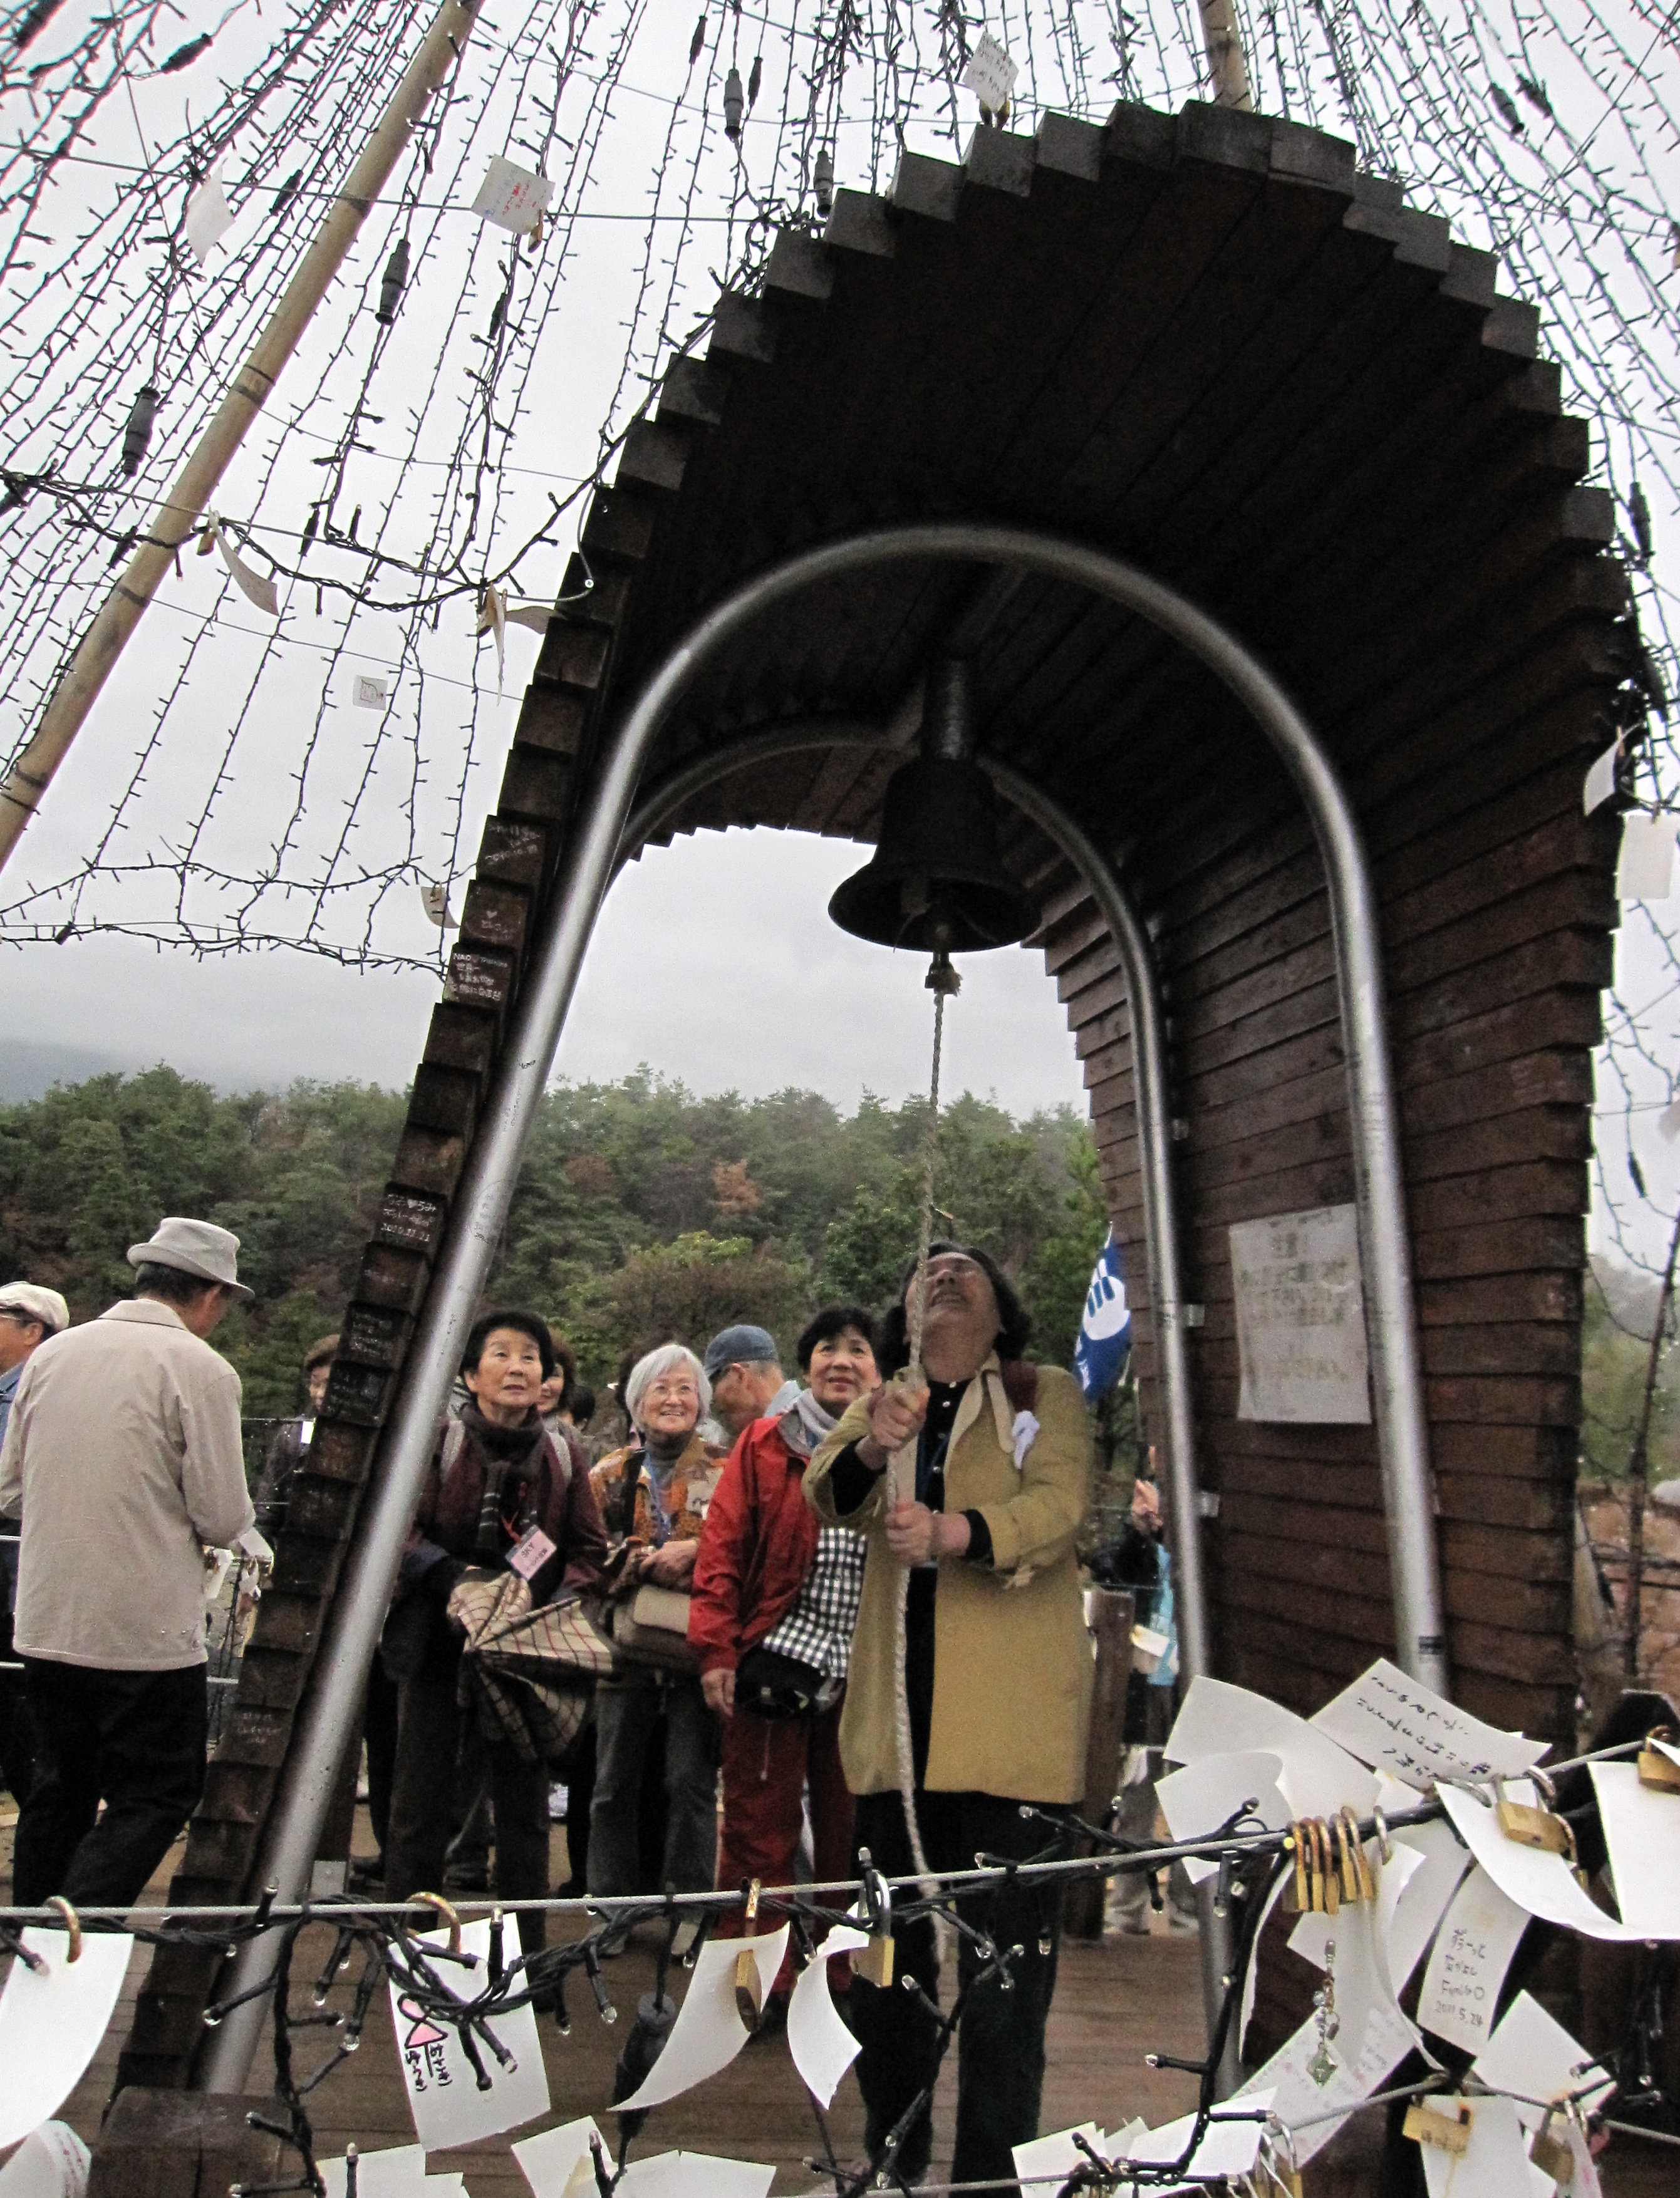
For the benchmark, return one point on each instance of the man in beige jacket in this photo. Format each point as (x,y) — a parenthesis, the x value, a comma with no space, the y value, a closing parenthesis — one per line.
(123,1453)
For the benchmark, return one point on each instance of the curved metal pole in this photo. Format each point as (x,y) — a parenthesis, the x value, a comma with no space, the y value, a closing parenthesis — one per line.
(1154,1133)
(351,1633)
(1154,1126)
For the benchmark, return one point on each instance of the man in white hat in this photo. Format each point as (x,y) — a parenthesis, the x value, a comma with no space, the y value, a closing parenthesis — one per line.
(122,1454)
(29,1314)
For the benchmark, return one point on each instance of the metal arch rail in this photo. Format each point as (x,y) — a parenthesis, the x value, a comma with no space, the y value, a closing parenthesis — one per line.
(349,1636)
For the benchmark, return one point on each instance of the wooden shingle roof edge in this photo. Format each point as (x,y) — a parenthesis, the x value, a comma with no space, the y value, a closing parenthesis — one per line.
(572,697)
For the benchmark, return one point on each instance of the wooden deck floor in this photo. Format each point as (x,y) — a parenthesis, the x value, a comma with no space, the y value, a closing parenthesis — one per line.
(1117,2000)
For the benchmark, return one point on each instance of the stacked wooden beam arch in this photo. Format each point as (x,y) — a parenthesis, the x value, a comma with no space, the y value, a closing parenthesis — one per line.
(1205,342)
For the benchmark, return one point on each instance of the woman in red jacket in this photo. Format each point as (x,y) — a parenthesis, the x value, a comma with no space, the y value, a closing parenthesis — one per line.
(775,1599)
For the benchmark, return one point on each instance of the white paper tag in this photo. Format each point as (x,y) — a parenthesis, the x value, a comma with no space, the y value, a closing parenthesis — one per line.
(707,2032)
(399,2173)
(209,216)
(822,2045)
(548,2161)
(512,197)
(530,1555)
(448,2106)
(256,587)
(1467,1962)
(1149,1642)
(990,74)
(1601,779)
(51,2162)
(434,899)
(1646,869)
(1642,1829)
(51,2022)
(368,690)
(1532,2057)
(1400,1726)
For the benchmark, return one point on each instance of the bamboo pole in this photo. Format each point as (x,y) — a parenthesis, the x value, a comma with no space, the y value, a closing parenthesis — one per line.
(1226,64)
(1639,1465)
(188,495)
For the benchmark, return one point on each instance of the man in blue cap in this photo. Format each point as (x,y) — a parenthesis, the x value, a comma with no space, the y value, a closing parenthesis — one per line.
(744,1367)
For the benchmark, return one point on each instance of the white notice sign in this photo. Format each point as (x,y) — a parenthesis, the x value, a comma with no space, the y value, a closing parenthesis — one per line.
(1301,1317)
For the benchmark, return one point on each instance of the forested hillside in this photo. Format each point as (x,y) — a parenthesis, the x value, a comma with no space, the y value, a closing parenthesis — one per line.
(641,1211)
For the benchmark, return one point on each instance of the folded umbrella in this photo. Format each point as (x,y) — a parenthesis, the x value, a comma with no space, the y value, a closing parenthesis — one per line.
(527,1675)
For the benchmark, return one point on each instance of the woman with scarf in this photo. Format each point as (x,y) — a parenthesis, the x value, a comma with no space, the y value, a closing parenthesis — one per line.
(499,1497)
(775,1601)
(654,1495)
(975,1484)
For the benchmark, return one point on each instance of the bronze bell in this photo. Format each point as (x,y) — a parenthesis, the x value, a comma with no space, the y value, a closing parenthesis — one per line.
(935,882)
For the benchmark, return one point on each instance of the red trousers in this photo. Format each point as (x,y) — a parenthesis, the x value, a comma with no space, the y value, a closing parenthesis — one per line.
(767,1762)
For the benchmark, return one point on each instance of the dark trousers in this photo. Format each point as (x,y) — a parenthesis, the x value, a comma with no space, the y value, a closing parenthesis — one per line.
(17,1727)
(1000,2042)
(422,1815)
(135,1741)
(378,1730)
(767,1762)
(630,1714)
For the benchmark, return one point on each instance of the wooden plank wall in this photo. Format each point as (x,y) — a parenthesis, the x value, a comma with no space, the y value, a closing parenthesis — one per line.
(1497,904)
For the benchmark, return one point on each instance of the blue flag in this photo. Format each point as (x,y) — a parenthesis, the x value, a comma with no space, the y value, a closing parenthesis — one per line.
(1105,1333)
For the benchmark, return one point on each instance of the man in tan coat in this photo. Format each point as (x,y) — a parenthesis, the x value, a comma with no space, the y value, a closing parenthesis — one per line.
(976,1484)
(123,1453)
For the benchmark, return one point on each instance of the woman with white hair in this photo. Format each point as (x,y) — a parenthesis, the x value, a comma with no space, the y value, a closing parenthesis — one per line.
(653,1496)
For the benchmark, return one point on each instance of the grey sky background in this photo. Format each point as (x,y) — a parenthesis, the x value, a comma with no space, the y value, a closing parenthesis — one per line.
(714,961)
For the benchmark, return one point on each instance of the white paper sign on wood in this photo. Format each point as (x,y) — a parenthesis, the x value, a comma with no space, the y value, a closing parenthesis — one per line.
(1400,1725)
(51,2022)
(444,2095)
(1301,1317)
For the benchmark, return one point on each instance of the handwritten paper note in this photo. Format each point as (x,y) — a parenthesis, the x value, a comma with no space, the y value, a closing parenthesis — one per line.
(51,2162)
(1402,1727)
(1467,1962)
(1301,1317)
(822,2047)
(1642,1829)
(51,2022)
(444,2095)
(1297,2098)
(1361,1937)
(512,197)
(990,74)
(707,2032)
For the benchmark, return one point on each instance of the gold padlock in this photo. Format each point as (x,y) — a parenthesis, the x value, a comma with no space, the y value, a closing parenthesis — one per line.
(1551,2155)
(1425,2125)
(748,1990)
(1535,1828)
(1660,1772)
(874,1962)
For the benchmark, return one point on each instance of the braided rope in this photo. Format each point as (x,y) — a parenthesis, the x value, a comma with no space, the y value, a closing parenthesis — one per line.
(901,1707)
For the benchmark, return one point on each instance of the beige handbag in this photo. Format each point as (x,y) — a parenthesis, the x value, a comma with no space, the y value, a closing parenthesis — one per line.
(651,1627)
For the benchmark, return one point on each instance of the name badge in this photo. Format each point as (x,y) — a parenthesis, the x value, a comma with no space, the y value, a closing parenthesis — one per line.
(528,1557)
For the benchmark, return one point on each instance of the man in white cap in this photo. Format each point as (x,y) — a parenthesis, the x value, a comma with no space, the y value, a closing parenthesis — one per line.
(123,1455)
(29,1314)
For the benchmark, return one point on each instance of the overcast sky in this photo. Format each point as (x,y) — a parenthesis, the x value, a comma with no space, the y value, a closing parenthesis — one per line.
(714,961)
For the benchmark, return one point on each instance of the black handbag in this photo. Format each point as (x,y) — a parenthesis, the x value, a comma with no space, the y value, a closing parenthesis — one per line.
(771,1685)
